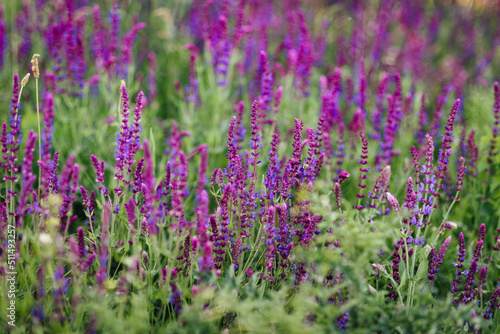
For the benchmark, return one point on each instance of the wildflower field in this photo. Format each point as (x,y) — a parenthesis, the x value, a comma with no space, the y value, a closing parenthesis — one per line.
(249,166)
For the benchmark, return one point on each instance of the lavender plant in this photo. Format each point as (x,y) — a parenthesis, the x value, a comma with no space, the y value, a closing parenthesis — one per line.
(272,170)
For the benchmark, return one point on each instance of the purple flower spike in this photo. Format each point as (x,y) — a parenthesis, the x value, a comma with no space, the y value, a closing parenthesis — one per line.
(135,131)
(495,128)
(289,175)
(344,175)
(192,87)
(460,176)
(87,263)
(255,142)
(99,171)
(380,187)
(459,266)
(422,122)
(3,38)
(122,149)
(338,194)
(363,170)
(393,202)
(432,265)
(472,155)
(271,180)
(81,243)
(27,177)
(48,116)
(206,262)
(482,232)
(445,152)
(492,305)
(377,113)
(483,272)
(236,253)
(358,122)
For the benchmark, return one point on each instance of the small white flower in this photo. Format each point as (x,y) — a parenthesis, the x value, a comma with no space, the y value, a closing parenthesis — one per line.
(45,239)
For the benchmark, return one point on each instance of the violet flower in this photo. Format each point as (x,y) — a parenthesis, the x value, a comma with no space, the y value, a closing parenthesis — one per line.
(338,195)
(127,44)
(277,99)
(362,86)
(14,137)
(255,141)
(192,87)
(5,149)
(271,180)
(48,122)
(153,91)
(492,305)
(130,208)
(495,128)
(377,113)
(445,151)
(206,262)
(27,177)
(395,269)
(432,265)
(422,122)
(114,18)
(236,253)
(266,82)
(122,149)
(3,38)
(442,252)
(340,151)
(472,155)
(459,265)
(284,236)
(460,177)
(358,122)
(483,272)
(99,171)
(232,149)
(135,131)
(81,243)
(289,174)
(380,187)
(363,170)
(103,252)
(270,236)
(393,201)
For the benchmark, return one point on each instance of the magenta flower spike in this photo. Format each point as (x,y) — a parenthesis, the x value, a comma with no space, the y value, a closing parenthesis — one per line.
(3,39)
(192,87)
(206,262)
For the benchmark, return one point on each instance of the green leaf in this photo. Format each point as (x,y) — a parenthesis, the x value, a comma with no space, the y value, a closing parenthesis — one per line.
(422,270)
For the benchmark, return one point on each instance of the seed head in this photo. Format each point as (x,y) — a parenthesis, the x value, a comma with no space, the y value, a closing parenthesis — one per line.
(25,80)
(34,66)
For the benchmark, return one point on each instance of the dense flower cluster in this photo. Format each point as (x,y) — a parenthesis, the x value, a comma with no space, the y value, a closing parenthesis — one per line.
(99,234)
